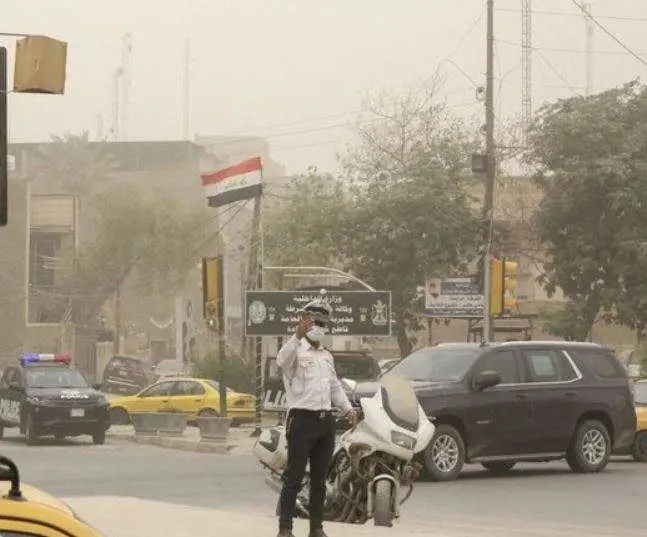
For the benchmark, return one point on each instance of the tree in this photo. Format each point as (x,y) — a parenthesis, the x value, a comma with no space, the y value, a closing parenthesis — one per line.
(74,164)
(157,236)
(306,230)
(570,322)
(590,153)
(396,237)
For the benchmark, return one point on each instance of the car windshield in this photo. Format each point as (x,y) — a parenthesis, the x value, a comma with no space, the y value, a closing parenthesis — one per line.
(641,393)
(214,384)
(440,364)
(52,377)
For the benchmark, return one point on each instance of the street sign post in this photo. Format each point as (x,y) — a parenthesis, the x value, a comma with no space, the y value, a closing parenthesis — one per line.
(354,313)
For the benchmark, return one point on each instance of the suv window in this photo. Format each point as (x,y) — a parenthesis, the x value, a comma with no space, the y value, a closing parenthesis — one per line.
(548,365)
(504,363)
(602,362)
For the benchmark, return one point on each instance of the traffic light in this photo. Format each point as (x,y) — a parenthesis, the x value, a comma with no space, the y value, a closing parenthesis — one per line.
(212,291)
(496,286)
(510,285)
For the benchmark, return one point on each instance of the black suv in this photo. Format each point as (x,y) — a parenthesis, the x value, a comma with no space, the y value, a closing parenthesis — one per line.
(125,375)
(533,401)
(45,395)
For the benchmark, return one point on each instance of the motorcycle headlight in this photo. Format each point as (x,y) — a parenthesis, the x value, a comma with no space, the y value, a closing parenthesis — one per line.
(403,440)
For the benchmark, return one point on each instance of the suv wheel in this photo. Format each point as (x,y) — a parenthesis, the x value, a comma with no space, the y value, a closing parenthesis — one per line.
(444,457)
(639,451)
(31,435)
(591,447)
(499,467)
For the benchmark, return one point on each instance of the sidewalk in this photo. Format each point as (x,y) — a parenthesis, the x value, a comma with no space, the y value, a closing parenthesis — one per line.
(239,439)
(133,517)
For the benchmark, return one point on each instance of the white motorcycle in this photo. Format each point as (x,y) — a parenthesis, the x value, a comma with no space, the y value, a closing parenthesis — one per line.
(371,462)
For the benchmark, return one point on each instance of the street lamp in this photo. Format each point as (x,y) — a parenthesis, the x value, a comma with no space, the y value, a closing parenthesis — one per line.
(39,68)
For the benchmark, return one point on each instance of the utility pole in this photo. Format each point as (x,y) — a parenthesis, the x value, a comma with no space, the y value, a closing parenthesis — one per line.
(4,187)
(186,91)
(490,176)
(118,319)
(590,28)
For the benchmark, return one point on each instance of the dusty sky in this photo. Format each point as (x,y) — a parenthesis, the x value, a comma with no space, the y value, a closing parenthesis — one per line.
(295,71)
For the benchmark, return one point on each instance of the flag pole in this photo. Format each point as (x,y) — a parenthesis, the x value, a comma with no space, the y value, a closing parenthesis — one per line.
(258,249)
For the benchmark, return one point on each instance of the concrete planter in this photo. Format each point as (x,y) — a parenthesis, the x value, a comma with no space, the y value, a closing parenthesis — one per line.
(214,430)
(146,423)
(172,423)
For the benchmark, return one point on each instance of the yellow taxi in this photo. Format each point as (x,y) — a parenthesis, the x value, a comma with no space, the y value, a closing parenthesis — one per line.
(639,451)
(28,512)
(193,396)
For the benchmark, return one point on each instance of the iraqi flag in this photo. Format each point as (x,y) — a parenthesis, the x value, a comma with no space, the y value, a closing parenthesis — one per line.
(238,182)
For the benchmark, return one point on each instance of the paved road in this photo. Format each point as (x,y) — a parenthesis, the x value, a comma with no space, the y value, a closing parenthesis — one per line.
(536,493)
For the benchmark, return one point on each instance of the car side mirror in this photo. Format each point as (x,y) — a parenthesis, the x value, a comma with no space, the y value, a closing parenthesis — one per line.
(486,379)
(97,386)
(16,386)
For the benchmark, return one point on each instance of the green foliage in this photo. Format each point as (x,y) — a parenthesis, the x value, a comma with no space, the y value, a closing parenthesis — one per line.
(591,154)
(239,372)
(400,234)
(399,214)
(570,322)
(157,235)
(75,164)
(306,230)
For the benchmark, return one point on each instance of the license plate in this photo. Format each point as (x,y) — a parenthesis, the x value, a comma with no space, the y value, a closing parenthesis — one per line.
(77,412)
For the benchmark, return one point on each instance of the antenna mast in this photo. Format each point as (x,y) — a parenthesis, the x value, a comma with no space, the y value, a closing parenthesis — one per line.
(186,90)
(590,28)
(126,49)
(526,67)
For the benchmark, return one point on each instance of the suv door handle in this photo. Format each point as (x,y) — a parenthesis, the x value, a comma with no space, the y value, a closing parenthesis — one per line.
(520,397)
(571,395)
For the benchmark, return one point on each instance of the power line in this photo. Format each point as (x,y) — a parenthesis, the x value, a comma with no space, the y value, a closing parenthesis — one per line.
(556,71)
(566,14)
(595,21)
(571,50)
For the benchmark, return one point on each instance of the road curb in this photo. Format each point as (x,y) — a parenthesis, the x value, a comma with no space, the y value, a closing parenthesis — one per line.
(178,443)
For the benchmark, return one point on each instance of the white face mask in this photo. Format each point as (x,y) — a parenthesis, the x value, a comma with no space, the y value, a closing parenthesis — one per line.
(316,334)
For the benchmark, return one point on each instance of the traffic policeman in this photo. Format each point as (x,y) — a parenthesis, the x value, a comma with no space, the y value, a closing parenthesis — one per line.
(311,389)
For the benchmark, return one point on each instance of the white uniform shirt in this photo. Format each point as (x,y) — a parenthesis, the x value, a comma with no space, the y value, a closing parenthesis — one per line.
(310,378)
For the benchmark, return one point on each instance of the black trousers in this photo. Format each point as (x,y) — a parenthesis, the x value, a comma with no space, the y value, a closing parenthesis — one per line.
(310,437)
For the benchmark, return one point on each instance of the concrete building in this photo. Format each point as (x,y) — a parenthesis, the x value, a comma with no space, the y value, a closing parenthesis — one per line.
(47,229)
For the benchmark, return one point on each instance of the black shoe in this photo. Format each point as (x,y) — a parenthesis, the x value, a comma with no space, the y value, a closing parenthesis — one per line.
(317,532)
(286,533)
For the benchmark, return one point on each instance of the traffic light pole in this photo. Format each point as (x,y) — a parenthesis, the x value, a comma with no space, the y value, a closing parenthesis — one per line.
(4,188)
(490,175)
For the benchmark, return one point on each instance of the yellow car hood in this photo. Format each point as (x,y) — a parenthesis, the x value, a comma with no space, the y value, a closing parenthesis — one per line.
(35,495)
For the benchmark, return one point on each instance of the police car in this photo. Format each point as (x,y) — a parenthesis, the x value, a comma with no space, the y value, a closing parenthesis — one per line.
(44,395)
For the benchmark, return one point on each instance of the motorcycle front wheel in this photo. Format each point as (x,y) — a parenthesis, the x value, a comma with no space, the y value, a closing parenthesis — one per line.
(382,504)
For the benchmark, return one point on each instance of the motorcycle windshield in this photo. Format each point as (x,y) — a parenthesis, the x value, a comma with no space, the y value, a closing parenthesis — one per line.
(400,402)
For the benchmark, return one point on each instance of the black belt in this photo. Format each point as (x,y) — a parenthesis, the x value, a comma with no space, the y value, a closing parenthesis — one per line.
(316,414)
